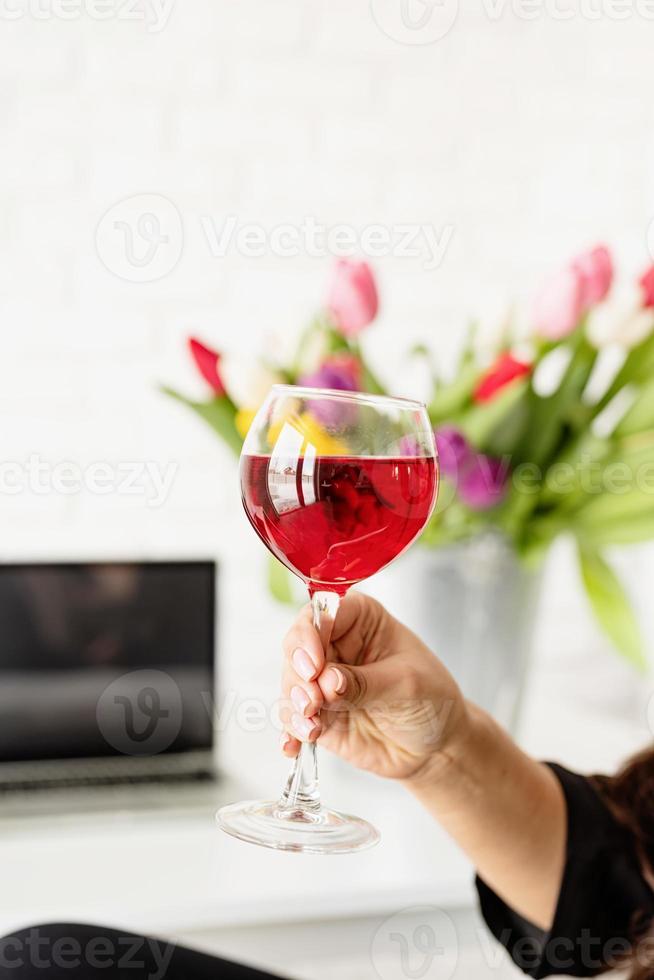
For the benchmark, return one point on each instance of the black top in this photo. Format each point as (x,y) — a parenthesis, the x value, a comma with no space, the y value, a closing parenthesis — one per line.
(604,903)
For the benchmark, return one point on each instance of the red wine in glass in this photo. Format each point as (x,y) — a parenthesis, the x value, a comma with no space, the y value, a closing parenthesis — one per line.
(335,520)
(336,484)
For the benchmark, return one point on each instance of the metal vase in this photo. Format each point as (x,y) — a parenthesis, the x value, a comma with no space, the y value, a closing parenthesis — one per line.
(474,604)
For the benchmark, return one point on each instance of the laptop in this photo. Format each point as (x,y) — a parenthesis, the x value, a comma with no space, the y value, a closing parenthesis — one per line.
(107,678)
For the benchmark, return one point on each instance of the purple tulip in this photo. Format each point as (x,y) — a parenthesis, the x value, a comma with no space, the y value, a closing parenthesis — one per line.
(340,373)
(409,446)
(483,482)
(454,451)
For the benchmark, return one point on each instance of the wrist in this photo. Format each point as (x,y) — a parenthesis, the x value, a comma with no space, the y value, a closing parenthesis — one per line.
(454,762)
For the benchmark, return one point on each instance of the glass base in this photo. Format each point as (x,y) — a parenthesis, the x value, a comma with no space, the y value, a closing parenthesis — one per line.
(321,831)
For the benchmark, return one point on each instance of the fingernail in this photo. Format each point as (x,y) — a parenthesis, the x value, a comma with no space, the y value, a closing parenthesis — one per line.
(303,664)
(339,679)
(304,727)
(284,739)
(300,699)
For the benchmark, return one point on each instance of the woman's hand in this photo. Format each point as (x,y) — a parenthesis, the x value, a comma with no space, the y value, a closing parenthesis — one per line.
(386,703)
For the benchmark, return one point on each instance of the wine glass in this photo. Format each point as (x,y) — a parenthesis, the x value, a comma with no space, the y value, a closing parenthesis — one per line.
(336,484)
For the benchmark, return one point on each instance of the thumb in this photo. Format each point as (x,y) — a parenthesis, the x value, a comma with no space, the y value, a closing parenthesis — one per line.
(354,686)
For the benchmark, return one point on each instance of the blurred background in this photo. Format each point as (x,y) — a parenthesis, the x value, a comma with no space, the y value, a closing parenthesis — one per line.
(187,169)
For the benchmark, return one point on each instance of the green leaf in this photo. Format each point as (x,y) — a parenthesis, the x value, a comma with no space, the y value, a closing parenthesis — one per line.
(637,368)
(311,345)
(468,356)
(611,606)
(548,416)
(422,352)
(640,415)
(614,488)
(369,381)
(451,399)
(219,413)
(606,507)
(336,342)
(567,476)
(620,531)
(497,425)
(451,520)
(279,581)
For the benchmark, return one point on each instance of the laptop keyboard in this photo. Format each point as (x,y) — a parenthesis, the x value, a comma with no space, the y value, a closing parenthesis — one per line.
(106,779)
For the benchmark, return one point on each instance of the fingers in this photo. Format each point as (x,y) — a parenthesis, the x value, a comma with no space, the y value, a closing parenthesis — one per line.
(304,659)
(352,607)
(343,683)
(309,681)
(298,728)
(299,710)
(301,702)
(360,629)
(358,686)
(342,689)
(302,697)
(289,745)
(302,647)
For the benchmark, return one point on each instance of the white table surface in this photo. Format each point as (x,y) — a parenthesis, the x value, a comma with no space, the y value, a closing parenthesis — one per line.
(172,871)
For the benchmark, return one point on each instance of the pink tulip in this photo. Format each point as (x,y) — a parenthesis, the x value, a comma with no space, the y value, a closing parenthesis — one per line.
(596,270)
(352,299)
(646,283)
(572,292)
(560,305)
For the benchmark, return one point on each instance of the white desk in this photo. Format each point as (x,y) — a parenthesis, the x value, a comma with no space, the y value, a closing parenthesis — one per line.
(176,871)
(171,872)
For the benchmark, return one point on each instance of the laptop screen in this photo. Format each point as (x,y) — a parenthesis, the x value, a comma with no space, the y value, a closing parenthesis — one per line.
(106,659)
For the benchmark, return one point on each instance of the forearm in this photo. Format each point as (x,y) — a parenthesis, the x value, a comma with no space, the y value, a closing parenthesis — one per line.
(505,810)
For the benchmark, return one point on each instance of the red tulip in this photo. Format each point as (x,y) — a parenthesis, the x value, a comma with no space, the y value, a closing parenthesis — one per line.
(646,283)
(505,370)
(352,299)
(596,270)
(207,362)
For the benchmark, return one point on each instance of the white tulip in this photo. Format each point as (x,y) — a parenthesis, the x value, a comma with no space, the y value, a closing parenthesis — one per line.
(247,380)
(313,350)
(621,320)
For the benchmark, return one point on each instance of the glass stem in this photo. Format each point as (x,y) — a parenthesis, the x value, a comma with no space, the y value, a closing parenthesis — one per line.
(301,794)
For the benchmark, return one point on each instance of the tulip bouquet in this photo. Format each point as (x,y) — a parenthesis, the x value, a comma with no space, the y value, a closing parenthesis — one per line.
(551,432)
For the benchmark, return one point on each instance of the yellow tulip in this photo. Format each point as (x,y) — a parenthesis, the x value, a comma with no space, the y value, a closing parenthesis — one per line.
(314,435)
(243,420)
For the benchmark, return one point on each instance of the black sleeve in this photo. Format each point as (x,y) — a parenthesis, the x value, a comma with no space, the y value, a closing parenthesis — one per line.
(604,897)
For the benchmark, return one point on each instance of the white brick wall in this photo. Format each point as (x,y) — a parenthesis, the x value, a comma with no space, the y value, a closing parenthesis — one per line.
(530,138)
